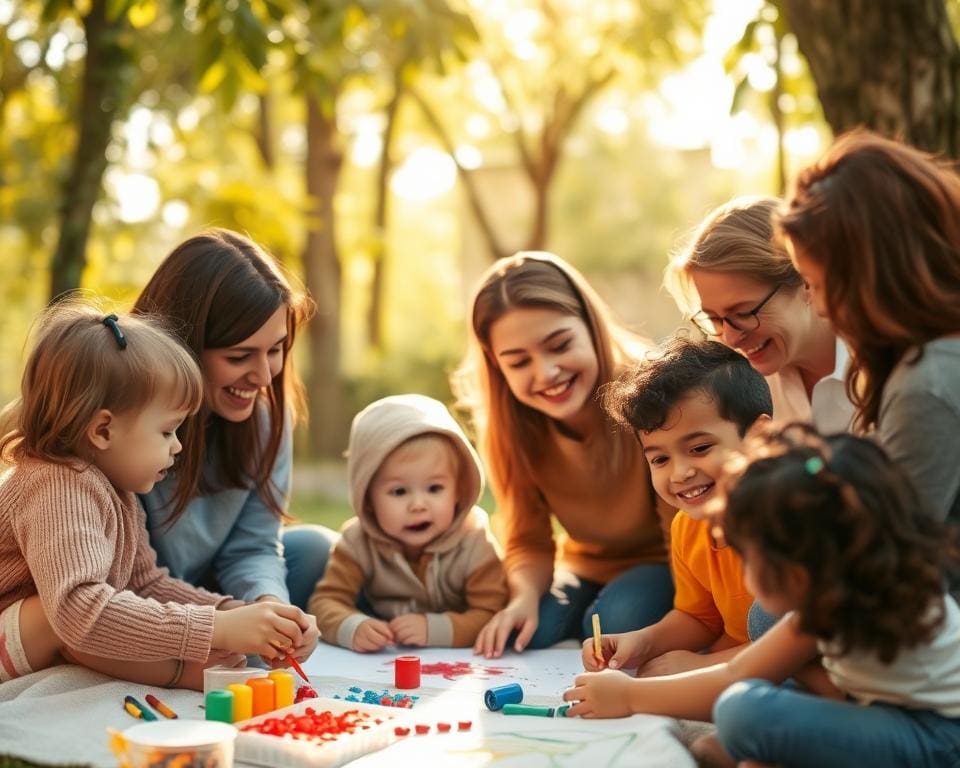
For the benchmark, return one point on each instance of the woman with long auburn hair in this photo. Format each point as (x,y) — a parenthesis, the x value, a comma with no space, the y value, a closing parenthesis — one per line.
(874,229)
(542,345)
(216,520)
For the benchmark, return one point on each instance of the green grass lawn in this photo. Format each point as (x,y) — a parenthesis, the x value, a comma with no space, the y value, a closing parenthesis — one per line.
(319,509)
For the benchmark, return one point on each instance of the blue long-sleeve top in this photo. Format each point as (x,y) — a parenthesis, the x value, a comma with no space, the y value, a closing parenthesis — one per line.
(230,536)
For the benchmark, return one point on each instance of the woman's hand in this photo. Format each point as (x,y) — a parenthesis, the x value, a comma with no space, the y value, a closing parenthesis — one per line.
(601,694)
(521,614)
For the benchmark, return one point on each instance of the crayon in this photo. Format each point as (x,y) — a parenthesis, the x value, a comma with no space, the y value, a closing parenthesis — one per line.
(528,709)
(296,665)
(162,708)
(137,709)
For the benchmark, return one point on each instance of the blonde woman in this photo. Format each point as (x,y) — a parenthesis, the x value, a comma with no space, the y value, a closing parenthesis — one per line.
(737,285)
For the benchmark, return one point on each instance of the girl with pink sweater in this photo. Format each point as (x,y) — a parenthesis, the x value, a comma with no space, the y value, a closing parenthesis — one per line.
(96,423)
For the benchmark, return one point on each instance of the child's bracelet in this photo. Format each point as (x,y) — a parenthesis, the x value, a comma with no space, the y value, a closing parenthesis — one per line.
(177,674)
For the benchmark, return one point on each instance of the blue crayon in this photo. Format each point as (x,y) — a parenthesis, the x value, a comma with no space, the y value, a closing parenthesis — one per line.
(137,709)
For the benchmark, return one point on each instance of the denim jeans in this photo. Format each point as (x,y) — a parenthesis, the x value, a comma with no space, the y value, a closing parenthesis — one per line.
(306,549)
(759,621)
(757,720)
(636,598)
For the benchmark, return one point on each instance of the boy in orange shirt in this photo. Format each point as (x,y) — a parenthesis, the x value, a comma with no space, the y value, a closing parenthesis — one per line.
(689,407)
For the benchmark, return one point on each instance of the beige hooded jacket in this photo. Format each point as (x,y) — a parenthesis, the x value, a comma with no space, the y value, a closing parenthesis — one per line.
(457,582)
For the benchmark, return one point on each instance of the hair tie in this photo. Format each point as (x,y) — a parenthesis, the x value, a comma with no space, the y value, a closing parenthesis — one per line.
(814,465)
(111,321)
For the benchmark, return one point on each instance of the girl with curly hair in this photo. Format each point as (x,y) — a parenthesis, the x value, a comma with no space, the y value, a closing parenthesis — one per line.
(834,536)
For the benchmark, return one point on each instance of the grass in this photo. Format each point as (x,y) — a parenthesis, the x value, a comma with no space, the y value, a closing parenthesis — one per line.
(319,509)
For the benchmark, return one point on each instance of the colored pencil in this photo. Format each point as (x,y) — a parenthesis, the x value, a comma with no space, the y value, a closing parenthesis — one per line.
(597,644)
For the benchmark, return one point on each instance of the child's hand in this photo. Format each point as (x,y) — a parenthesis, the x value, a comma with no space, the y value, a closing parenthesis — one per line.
(601,694)
(269,629)
(671,663)
(372,635)
(311,635)
(410,629)
(624,650)
(521,614)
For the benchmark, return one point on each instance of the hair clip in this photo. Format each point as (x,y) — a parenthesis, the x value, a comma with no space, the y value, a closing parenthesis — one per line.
(111,321)
(814,465)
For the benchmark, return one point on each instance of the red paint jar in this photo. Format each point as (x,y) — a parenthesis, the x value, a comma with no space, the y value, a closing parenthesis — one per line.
(406,670)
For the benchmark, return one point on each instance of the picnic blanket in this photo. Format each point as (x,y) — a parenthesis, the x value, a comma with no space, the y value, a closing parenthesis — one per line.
(60,715)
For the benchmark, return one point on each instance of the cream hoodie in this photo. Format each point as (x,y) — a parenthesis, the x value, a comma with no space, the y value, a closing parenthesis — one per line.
(457,582)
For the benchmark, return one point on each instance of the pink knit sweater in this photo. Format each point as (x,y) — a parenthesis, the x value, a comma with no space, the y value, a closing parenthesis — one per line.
(67,534)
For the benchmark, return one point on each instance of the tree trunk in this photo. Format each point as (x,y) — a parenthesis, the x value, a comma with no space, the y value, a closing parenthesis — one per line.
(101,96)
(776,113)
(326,434)
(380,220)
(889,65)
(264,133)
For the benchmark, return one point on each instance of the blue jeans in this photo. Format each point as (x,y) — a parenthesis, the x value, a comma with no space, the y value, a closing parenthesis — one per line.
(637,598)
(759,621)
(757,720)
(306,549)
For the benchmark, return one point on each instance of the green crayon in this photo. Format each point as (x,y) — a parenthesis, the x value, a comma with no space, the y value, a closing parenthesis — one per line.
(528,709)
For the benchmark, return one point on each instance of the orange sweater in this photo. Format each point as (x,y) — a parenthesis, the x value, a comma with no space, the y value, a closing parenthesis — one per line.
(708,580)
(611,523)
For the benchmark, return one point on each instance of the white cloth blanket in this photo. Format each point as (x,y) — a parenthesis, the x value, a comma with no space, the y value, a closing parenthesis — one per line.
(60,715)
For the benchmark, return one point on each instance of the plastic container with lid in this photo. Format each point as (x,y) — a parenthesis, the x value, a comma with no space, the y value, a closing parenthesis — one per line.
(180,743)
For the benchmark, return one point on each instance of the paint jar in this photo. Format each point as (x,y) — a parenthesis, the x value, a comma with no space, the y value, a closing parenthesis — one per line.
(406,672)
(187,743)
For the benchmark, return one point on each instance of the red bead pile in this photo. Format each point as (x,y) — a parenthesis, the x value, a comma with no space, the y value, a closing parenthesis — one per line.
(315,727)
(304,692)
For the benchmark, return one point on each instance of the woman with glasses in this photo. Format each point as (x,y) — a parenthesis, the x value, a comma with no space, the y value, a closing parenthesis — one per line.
(737,285)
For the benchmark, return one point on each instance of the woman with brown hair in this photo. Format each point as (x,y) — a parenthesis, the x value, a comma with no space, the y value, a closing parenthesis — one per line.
(542,345)
(216,519)
(874,229)
(737,285)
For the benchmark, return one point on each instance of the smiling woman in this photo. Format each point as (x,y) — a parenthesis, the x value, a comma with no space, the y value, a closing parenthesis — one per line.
(543,344)
(737,284)
(216,519)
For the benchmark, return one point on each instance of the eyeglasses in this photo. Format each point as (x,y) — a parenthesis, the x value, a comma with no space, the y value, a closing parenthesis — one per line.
(739,321)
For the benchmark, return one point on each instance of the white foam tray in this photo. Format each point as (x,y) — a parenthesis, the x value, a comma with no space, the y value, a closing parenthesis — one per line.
(279,752)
